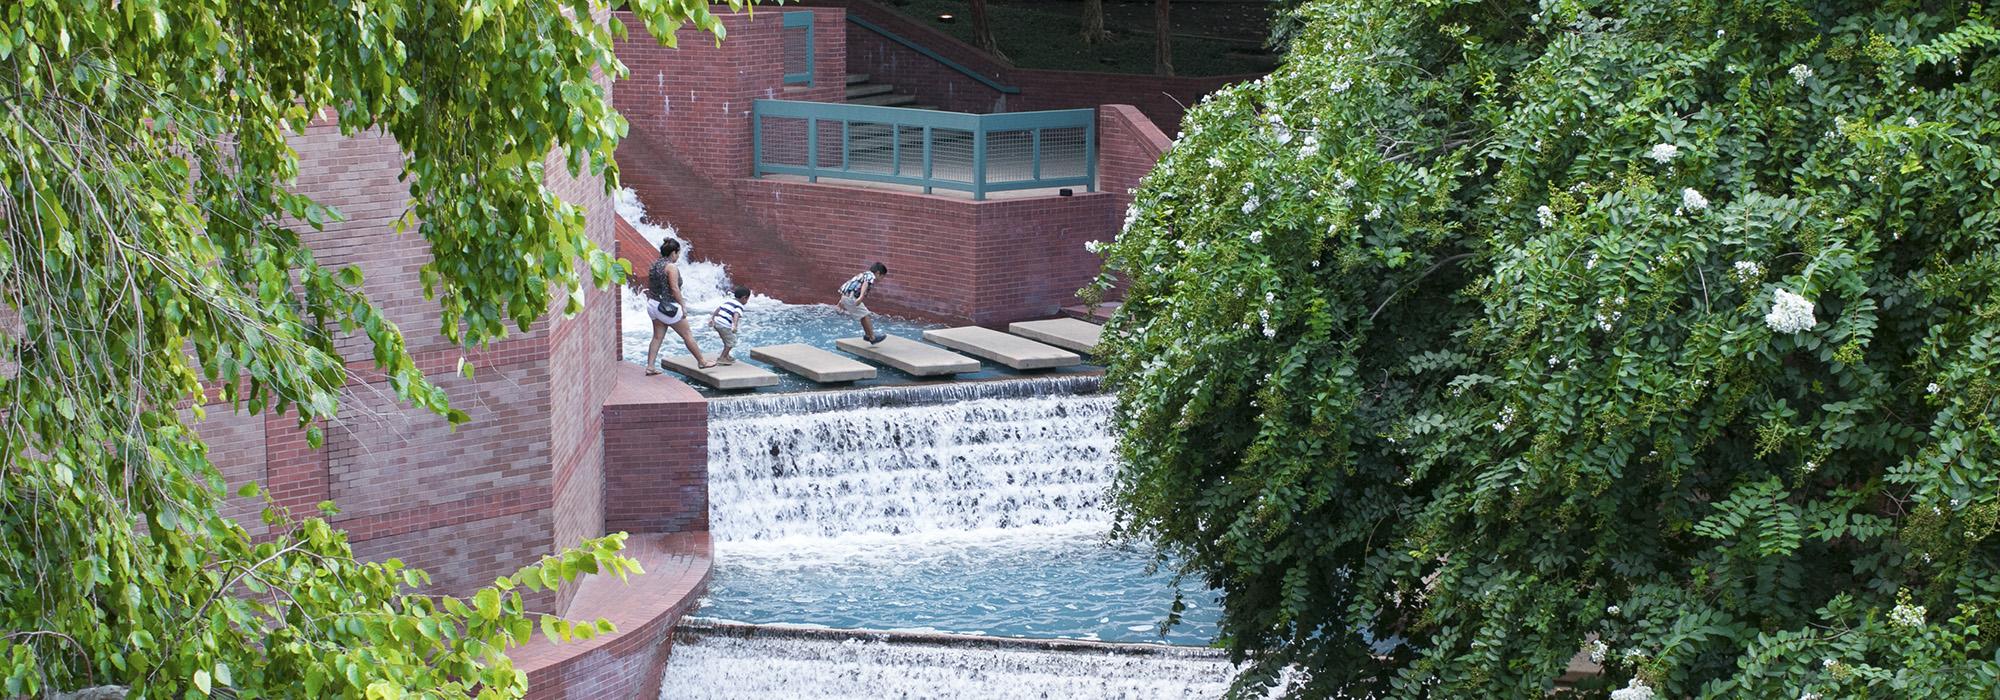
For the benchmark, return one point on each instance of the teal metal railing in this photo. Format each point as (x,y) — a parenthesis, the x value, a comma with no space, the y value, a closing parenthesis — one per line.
(926,52)
(798,47)
(976,153)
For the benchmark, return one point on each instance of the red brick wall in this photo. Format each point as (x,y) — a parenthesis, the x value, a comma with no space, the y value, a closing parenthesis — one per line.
(1163,99)
(656,446)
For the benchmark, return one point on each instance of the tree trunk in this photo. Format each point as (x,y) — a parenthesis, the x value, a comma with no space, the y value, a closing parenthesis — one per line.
(1093,23)
(1163,45)
(982,32)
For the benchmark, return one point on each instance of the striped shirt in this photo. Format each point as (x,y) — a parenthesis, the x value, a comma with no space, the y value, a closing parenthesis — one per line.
(726,314)
(853,286)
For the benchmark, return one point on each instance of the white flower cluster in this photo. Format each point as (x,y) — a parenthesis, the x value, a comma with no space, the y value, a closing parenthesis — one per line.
(1809,695)
(1131,215)
(1251,204)
(1374,212)
(1748,271)
(1613,610)
(1790,313)
(1257,236)
(1664,153)
(1598,649)
(1635,690)
(1310,146)
(1932,389)
(1907,615)
(1800,73)
(1692,201)
(1545,215)
(1093,247)
(1506,420)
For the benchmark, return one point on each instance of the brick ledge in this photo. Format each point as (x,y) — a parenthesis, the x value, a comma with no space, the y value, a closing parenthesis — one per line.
(628,663)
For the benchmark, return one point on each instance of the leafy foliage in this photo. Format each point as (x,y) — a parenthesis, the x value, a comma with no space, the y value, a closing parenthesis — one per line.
(1671,322)
(151,255)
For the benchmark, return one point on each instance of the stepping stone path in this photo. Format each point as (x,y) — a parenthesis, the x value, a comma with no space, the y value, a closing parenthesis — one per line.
(1010,350)
(813,363)
(910,356)
(1066,333)
(736,376)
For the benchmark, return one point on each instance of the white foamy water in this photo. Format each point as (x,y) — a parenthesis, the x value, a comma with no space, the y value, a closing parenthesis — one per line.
(705,284)
(951,470)
(716,667)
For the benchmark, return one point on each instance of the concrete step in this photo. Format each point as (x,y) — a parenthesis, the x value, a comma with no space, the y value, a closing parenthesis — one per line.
(737,376)
(857,78)
(886,100)
(1065,333)
(1097,313)
(1010,350)
(854,91)
(910,356)
(813,363)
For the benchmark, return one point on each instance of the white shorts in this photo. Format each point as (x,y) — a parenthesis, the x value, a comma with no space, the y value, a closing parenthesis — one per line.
(854,308)
(653,310)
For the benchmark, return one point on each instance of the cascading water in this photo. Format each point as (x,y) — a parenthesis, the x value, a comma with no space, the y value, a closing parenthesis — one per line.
(973,508)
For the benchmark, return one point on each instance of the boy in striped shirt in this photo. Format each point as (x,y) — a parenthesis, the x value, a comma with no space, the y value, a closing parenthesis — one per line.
(728,319)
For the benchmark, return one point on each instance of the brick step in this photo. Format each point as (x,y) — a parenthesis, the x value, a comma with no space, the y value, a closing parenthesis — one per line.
(867,89)
(857,78)
(885,100)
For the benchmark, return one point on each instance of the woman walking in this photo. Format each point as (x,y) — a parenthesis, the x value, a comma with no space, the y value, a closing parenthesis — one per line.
(663,286)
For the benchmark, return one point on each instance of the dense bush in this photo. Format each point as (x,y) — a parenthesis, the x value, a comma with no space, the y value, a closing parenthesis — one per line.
(1485,333)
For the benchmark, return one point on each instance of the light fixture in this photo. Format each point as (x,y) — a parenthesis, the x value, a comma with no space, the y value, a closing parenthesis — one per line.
(946,18)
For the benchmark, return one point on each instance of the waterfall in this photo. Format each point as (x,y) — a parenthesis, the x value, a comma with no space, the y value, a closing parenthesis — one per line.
(911,461)
(778,663)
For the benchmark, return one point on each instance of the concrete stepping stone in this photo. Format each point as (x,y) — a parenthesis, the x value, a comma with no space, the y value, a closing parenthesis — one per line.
(1065,333)
(813,363)
(910,356)
(1010,350)
(736,376)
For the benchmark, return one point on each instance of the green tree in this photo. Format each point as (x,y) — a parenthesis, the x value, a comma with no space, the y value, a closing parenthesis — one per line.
(1667,331)
(150,252)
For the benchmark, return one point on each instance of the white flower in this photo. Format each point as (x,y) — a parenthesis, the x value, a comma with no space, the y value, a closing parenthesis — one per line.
(1718,33)
(1910,122)
(1093,247)
(1801,72)
(1828,663)
(1613,610)
(1131,215)
(1374,212)
(1256,236)
(1809,695)
(1590,264)
(1790,313)
(1545,215)
(1250,205)
(1597,649)
(1664,153)
(1553,361)
(1692,201)
(1635,690)
(1906,615)
(1341,85)
(1506,419)
(1310,146)
(1346,183)
(1747,270)
(1932,389)
(1214,162)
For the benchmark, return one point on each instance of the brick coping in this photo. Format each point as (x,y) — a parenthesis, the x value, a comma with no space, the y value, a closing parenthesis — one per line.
(644,608)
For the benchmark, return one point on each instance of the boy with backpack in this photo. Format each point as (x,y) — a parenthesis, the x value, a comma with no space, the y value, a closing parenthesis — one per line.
(854,293)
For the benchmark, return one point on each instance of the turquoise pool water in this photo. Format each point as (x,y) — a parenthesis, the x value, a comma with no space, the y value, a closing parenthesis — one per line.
(1069,585)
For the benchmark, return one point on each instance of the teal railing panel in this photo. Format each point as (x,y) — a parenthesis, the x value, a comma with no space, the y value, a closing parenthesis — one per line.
(976,153)
(798,46)
(933,55)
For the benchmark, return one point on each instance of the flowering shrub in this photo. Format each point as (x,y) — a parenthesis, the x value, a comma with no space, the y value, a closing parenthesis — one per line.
(1482,328)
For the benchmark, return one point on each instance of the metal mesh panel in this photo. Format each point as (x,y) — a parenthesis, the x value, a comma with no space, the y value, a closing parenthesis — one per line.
(912,164)
(1063,153)
(951,155)
(871,147)
(782,141)
(798,54)
(1010,156)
